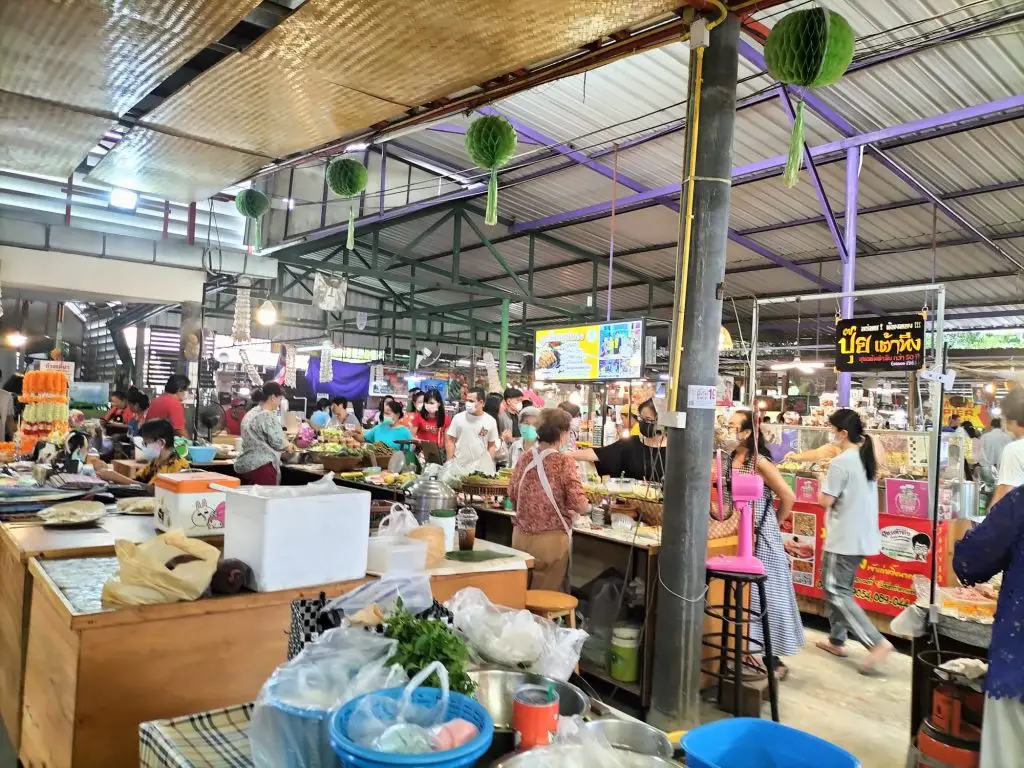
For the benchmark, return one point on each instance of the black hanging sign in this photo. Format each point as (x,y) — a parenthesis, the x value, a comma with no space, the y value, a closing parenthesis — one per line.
(880,343)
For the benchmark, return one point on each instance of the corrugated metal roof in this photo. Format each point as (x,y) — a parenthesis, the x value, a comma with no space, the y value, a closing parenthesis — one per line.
(645,93)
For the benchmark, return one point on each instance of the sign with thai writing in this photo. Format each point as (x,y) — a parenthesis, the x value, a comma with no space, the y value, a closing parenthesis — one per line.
(880,344)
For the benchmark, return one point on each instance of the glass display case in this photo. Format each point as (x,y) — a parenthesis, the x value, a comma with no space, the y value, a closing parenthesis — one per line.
(803,454)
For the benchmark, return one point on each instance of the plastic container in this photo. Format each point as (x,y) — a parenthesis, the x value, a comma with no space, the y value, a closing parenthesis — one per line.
(299,536)
(395,554)
(625,653)
(459,706)
(746,742)
(201,454)
(301,734)
(445,520)
(188,501)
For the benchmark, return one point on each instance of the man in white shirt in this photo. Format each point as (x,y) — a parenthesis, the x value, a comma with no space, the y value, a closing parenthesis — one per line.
(992,444)
(1011,463)
(472,438)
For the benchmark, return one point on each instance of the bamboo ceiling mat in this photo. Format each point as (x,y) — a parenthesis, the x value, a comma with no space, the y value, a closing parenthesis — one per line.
(372,59)
(105,55)
(261,106)
(173,167)
(39,137)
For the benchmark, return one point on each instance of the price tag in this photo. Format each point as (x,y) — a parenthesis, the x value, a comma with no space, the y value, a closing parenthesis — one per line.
(701,396)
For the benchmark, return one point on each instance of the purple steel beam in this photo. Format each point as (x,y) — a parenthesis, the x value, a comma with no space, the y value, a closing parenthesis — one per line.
(774,165)
(819,188)
(883,207)
(853,158)
(989,314)
(841,124)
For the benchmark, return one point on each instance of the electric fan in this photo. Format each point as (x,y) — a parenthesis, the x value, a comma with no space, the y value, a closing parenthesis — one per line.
(211,418)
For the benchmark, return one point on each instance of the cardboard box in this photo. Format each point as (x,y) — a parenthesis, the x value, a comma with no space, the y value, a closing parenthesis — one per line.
(127,468)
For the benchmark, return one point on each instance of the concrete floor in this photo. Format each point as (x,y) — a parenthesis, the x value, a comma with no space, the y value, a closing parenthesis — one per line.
(823,695)
(866,715)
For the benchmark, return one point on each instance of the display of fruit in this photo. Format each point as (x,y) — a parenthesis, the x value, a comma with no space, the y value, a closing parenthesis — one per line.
(335,449)
(378,449)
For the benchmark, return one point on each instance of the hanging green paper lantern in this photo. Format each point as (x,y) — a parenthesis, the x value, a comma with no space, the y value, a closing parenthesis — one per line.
(252,204)
(491,142)
(347,178)
(811,49)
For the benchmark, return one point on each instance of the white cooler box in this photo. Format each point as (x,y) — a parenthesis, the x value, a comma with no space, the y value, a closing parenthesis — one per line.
(187,501)
(299,536)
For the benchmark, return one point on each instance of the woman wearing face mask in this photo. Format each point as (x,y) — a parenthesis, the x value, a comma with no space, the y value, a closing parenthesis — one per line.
(787,629)
(389,431)
(431,421)
(850,498)
(641,457)
(416,399)
(528,419)
(575,421)
(158,448)
(547,492)
(263,439)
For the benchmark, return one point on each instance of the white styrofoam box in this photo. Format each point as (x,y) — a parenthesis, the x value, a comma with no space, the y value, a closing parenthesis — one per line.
(299,536)
(189,501)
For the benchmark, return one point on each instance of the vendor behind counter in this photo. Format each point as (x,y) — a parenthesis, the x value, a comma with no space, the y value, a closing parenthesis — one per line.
(160,449)
(640,457)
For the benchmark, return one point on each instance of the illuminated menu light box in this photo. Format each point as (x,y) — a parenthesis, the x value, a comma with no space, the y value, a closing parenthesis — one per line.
(598,352)
(880,343)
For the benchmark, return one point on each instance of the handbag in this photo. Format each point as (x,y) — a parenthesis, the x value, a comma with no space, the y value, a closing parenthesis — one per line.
(723,522)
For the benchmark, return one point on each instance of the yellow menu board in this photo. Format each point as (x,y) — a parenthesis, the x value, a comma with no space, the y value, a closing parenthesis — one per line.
(590,352)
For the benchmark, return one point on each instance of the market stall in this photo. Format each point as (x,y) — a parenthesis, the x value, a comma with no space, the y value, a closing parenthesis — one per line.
(886,582)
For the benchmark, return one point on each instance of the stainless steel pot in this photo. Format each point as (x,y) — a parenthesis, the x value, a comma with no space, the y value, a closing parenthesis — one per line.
(632,736)
(427,494)
(570,751)
(495,689)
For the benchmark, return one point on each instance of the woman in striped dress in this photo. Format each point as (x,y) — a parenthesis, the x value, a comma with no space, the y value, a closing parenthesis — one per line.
(783,615)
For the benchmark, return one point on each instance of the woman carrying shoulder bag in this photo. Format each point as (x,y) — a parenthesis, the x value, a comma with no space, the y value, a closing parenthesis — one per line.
(850,498)
(783,615)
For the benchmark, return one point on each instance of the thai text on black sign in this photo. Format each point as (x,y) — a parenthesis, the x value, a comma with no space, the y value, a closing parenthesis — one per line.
(880,344)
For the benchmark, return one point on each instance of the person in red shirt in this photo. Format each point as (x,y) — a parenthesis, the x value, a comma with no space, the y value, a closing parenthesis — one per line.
(119,412)
(430,422)
(233,416)
(169,405)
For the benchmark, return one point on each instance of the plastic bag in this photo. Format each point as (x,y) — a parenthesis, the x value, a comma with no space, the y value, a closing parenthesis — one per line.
(377,721)
(912,621)
(515,638)
(412,588)
(144,577)
(290,721)
(398,522)
(324,485)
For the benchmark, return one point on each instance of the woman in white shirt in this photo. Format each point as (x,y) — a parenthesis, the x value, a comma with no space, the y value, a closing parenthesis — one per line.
(850,498)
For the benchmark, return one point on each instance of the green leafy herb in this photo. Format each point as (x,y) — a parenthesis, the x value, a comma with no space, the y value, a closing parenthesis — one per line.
(422,641)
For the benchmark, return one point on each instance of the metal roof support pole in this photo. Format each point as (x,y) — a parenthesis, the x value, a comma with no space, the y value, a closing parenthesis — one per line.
(679,630)
(503,345)
(853,161)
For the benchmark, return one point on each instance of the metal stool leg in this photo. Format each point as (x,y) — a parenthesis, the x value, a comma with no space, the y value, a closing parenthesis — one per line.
(737,647)
(723,651)
(769,657)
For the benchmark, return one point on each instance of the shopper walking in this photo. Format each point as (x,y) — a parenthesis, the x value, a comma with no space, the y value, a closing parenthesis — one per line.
(472,439)
(784,621)
(263,439)
(997,545)
(1011,463)
(547,493)
(850,498)
(992,444)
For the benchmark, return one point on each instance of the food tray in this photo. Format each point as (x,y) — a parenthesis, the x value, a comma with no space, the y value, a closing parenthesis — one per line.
(341,463)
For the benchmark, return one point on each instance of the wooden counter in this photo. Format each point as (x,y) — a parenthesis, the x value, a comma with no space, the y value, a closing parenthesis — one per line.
(19,543)
(92,675)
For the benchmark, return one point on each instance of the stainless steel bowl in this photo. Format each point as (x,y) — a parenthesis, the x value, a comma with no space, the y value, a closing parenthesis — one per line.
(496,687)
(566,752)
(633,736)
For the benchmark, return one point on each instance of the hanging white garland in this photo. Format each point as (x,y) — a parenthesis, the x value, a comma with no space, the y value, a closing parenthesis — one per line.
(241,326)
(326,361)
(250,370)
(289,365)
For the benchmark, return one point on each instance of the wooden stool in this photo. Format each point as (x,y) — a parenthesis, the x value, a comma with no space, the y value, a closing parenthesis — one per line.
(552,605)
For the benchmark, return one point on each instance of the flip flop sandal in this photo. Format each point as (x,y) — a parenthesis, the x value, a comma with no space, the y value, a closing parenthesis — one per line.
(835,650)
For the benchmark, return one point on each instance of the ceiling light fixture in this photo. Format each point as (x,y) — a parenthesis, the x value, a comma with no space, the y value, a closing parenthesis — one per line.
(358,146)
(796,364)
(124,199)
(16,339)
(267,313)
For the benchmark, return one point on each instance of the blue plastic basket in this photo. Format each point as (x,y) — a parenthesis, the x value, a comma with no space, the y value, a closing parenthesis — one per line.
(746,742)
(459,706)
(202,454)
(297,735)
